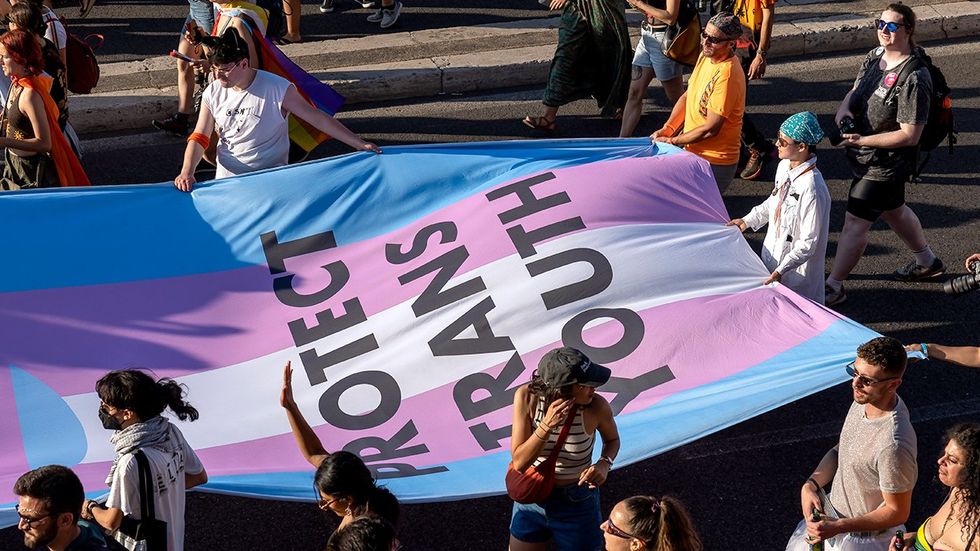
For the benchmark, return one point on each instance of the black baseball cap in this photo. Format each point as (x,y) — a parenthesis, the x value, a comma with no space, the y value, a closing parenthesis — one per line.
(565,366)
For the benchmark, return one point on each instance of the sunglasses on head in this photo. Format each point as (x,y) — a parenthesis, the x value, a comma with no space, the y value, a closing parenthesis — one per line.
(713,39)
(890,25)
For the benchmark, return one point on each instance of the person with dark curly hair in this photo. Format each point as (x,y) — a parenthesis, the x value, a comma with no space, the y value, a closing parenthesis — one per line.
(873,467)
(650,524)
(562,388)
(956,525)
(343,484)
(364,533)
(132,407)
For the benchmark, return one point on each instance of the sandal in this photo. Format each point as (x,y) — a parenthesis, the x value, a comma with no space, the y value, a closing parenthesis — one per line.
(539,123)
(283,41)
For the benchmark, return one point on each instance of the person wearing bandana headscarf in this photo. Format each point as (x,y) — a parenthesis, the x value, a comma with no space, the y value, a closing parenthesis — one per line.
(132,404)
(797,212)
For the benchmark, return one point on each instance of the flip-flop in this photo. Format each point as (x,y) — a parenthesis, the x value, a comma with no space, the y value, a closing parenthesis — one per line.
(86,7)
(539,123)
(283,41)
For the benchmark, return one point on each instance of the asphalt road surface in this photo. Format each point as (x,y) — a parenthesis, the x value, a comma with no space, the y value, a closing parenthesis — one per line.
(742,483)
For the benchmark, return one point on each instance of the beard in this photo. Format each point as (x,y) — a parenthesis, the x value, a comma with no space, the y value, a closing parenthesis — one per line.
(42,538)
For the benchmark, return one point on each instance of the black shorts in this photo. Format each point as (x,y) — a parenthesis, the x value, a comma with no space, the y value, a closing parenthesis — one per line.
(868,199)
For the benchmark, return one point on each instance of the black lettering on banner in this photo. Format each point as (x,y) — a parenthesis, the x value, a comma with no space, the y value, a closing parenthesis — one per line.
(445,342)
(524,240)
(487,438)
(393,252)
(599,281)
(316,364)
(500,395)
(530,203)
(435,295)
(327,323)
(275,255)
(632,323)
(627,390)
(392,449)
(391,397)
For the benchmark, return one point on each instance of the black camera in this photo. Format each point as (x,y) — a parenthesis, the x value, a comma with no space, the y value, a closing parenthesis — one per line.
(964,284)
(846,126)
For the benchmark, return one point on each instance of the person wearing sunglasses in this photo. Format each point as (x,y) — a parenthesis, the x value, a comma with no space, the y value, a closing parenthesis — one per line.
(707,118)
(873,466)
(343,484)
(797,212)
(49,506)
(956,525)
(650,524)
(881,120)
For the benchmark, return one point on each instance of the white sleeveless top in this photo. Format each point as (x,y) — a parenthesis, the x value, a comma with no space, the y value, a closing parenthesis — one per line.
(253,133)
(576,454)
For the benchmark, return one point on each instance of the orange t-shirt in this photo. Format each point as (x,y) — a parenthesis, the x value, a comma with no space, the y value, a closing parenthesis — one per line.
(749,12)
(719,88)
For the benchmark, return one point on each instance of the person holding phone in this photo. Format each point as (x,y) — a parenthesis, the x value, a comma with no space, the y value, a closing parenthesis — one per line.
(563,385)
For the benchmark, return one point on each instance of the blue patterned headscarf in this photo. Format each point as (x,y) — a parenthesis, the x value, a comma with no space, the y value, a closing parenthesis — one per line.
(802,128)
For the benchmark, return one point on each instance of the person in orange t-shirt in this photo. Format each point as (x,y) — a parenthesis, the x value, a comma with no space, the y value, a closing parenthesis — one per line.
(712,107)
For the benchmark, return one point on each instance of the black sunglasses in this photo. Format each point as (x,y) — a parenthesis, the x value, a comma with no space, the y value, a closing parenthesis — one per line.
(713,39)
(861,379)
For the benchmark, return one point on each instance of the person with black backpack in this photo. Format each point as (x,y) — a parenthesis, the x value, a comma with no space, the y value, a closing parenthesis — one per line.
(881,122)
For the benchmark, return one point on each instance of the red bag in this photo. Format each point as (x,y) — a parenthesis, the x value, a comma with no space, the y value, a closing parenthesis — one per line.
(80,62)
(535,484)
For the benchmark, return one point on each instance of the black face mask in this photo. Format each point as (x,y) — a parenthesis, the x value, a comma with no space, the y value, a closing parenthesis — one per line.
(109,422)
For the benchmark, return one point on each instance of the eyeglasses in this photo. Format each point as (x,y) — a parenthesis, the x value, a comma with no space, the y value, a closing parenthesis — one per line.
(782,142)
(224,71)
(890,25)
(28,521)
(713,39)
(861,379)
(614,530)
(324,504)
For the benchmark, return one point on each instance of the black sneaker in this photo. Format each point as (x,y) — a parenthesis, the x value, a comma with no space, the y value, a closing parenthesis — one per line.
(757,160)
(326,6)
(177,123)
(913,272)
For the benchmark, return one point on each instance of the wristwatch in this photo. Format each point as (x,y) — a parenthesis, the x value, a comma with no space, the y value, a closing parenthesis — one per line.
(607,460)
(88,507)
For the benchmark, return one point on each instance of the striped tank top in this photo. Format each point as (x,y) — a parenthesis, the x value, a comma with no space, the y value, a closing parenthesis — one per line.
(576,455)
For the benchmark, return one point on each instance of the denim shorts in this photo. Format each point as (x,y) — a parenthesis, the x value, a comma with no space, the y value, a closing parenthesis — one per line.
(649,53)
(570,517)
(201,11)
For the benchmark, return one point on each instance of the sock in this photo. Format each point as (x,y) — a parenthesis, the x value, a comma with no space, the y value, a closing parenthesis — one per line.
(925,257)
(834,284)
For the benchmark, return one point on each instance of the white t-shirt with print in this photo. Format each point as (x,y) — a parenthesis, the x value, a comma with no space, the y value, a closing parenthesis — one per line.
(168,472)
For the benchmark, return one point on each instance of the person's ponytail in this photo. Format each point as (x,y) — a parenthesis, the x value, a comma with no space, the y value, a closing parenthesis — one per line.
(171,395)
(676,529)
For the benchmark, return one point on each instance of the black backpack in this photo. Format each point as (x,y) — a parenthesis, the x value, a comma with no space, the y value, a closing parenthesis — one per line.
(276,28)
(939,125)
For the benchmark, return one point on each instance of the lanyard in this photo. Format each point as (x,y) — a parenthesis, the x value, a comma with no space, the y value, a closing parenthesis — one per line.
(784,191)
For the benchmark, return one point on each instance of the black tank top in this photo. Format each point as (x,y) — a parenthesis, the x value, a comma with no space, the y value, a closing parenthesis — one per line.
(16,124)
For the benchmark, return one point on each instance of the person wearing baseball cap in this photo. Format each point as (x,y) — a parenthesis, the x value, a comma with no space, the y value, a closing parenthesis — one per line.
(563,388)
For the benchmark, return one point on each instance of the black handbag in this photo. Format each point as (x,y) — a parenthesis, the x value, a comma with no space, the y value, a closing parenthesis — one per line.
(146,533)
(682,40)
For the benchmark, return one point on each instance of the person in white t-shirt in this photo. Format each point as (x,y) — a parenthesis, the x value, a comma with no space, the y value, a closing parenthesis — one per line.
(248,109)
(132,404)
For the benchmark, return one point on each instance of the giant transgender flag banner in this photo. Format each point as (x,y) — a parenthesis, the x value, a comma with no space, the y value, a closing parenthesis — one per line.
(413,291)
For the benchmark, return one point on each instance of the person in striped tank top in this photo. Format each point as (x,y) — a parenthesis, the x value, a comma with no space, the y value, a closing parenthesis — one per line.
(563,385)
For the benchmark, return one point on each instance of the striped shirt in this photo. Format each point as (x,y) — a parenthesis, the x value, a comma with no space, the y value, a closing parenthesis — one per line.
(576,454)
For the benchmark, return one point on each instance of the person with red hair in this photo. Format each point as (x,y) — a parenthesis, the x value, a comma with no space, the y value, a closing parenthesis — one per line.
(37,153)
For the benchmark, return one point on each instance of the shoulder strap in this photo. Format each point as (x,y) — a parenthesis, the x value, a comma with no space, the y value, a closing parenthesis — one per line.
(147,511)
(563,435)
(911,65)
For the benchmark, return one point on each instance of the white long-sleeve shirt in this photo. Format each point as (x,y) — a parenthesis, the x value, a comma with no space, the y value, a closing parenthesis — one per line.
(797,245)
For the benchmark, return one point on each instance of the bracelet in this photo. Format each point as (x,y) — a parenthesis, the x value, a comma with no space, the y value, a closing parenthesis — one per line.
(925,349)
(88,508)
(606,459)
(545,438)
(200,139)
(816,487)
(761,53)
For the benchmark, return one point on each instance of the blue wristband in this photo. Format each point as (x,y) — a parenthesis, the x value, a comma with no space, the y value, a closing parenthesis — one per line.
(925,349)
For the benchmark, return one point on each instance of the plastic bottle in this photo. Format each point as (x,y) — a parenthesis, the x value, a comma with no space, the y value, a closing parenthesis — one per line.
(817,545)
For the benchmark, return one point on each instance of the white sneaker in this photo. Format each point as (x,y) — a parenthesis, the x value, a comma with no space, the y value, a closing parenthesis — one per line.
(376,17)
(390,16)
(368,4)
